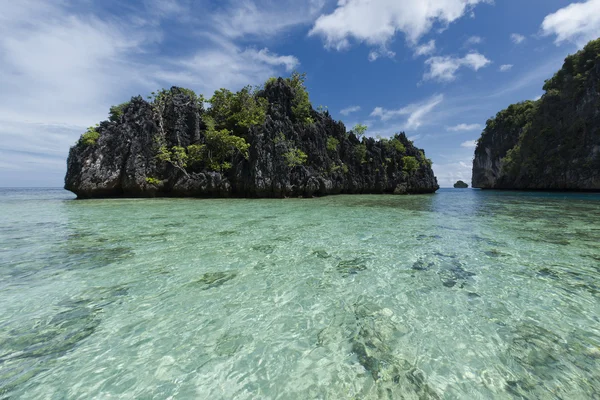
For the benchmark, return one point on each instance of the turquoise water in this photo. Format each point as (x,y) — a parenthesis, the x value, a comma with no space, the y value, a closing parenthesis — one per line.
(459,295)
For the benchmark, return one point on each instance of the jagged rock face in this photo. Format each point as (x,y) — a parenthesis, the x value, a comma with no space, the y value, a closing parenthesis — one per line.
(550,144)
(124,162)
(500,135)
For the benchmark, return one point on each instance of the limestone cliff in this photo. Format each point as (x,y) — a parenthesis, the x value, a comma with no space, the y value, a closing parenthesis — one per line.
(168,147)
(549,144)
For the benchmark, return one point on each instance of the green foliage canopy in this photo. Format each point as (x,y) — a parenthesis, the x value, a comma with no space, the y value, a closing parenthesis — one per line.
(237,111)
(301,106)
(332,144)
(295,157)
(361,152)
(359,130)
(410,164)
(90,137)
(116,112)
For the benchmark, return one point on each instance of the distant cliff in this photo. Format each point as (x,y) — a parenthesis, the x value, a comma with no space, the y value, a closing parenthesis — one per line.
(266,142)
(552,143)
(461,185)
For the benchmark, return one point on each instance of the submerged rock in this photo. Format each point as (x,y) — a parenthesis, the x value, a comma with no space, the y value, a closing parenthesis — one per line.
(351,267)
(163,148)
(212,280)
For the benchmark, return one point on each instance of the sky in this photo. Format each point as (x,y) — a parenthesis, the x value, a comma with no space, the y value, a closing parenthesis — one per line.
(435,69)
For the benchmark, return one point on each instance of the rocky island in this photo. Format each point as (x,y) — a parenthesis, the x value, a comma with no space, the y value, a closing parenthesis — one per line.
(258,142)
(461,185)
(549,144)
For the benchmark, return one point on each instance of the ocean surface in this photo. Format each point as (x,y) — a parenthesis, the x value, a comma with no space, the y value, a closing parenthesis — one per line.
(463,294)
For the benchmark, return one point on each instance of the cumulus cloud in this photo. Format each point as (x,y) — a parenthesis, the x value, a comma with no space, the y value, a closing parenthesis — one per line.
(349,110)
(505,67)
(443,69)
(425,49)
(416,112)
(516,38)
(464,127)
(469,144)
(377,22)
(577,23)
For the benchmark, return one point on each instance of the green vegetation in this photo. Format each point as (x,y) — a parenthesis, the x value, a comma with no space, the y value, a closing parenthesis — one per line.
(270,81)
(295,157)
(424,160)
(332,144)
(176,156)
(576,70)
(335,167)
(359,130)
(301,106)
(90,137)
(237,112)
(116,112)
(153,181)
(163,95)
(220,146)
(216,153)
(397,145)
(361,152)
(410,164)
(280,138)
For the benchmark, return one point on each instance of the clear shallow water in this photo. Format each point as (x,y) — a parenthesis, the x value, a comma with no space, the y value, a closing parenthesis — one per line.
(463,294)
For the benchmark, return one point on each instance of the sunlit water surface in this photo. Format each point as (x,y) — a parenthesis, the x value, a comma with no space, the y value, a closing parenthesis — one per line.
(462,294)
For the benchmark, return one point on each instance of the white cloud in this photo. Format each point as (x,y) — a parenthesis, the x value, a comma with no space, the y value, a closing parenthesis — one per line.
(577,23)
(241,19)
(382,52)
(425,49)
(464,127)
(376,22)
(416,112)
(516,38)
(264,56)
(444,68)
(349,110)
(473,40)
(469,144)
(505,67)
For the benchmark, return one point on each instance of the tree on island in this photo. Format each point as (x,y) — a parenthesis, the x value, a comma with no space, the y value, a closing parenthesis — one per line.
(460,185)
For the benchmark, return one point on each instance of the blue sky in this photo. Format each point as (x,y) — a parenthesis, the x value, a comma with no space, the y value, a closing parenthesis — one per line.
(436,69)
